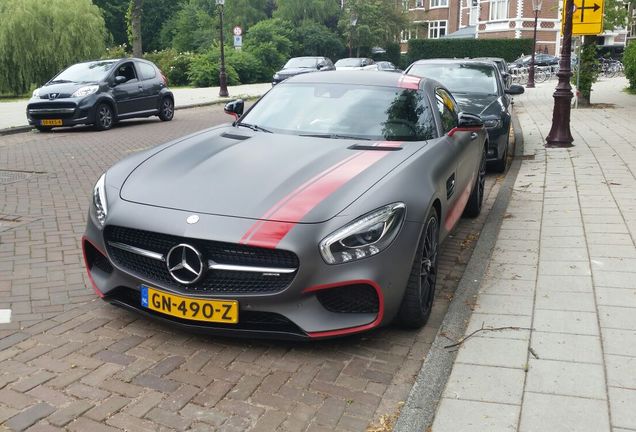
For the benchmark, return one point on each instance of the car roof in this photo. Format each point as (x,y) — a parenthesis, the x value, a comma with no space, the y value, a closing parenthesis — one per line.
(379,78)
(498,59)
(455,61)
(307,57)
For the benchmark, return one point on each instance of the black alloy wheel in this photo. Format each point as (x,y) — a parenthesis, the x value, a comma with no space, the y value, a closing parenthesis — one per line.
(419,295)
(476,198)
(104,117)
(166,112)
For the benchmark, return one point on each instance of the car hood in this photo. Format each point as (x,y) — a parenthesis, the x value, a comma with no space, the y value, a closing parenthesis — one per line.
(239,173)
(479,104)
(62,90)
(295,71)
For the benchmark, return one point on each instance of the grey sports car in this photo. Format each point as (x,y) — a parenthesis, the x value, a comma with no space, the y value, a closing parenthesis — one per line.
(317,213)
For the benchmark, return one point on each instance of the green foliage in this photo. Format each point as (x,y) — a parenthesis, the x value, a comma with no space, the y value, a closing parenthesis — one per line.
(114,12)
(629,61)
(246,65)
(115,52)
(173,65)
(615,15)
(193,28)
(270,42)
(313,39)
(204,71)
(588,70)
(298,12)
(40,37)
(509,49)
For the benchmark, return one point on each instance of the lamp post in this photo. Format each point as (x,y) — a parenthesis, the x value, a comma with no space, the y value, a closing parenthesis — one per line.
(354,21)
(560,135)
(222,75)
(536,7)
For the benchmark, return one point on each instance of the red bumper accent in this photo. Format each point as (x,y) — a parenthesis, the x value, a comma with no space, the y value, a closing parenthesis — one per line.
(350,330)
(88,271)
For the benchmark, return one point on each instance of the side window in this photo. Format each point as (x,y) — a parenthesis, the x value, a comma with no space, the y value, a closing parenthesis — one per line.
(409,117)
(127,70)
(447,109)
(146,71)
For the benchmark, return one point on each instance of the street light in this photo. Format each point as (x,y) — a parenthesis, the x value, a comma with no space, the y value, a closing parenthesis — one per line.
(354,21)
(536,7)
(222,75)
(560,135)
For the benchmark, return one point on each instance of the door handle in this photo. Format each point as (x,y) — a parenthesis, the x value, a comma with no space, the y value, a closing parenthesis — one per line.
(473,135)
(140,87)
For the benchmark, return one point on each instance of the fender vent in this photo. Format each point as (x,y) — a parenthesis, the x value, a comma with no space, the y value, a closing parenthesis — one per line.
(377,148)
(235,137)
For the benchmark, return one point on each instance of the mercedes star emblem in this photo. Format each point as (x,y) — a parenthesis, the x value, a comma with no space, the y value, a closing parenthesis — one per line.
(192,219)
(185,264)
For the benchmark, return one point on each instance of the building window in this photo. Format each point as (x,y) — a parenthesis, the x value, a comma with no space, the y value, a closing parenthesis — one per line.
(419,3)
(405,5)
(498,10)
(437,29)
(439,3)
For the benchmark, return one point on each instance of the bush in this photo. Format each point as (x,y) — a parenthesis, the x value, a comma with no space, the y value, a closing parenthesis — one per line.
(173,65)
(118,51)
(204,71)
(246,65)
(509,49)
(629,61)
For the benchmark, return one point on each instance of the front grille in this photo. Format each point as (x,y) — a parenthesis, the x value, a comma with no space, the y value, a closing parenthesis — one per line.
(248,320)
(214,281)
(350,299)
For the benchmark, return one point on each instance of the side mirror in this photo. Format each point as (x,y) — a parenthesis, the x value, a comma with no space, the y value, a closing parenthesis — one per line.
(468,120)
(235,108)
(120,79)
(515,89)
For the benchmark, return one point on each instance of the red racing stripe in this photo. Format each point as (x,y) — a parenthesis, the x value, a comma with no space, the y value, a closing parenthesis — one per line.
(291,209)
(409,82)
(455,213)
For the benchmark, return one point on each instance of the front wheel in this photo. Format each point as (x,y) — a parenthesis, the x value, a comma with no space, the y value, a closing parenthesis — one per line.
(417,302)
(476,198)
(104,117)
(166,112)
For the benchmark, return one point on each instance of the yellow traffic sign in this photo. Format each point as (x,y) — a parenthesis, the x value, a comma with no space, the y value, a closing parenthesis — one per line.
(587,18)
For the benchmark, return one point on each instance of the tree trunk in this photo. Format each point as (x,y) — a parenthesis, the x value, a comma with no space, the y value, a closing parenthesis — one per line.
(135,24)
(587,70)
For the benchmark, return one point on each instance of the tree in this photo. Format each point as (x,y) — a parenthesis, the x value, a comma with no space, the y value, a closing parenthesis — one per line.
(33,50)
(314,39)
(134,16)
(114,12)
(299,11)
(270,41)
(192,28)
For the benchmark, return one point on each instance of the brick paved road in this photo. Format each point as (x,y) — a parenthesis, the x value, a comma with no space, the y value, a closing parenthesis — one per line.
(70,361)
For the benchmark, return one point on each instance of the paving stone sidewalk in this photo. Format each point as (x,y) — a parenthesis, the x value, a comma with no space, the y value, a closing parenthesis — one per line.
(563,274)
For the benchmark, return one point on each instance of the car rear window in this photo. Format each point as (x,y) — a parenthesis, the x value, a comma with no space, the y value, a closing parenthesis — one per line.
(146,71)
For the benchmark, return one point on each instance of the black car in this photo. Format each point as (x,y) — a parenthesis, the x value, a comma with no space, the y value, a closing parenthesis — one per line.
(301,65)
(100,93)
(503,68)
(539,60)
(387,66)
(478,88)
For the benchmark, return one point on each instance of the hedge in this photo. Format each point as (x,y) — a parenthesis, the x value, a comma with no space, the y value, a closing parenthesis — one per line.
(629,60)
(509,49)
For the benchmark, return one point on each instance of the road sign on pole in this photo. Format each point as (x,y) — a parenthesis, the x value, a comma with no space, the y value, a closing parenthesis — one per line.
(587,18)
(238,42)
(238,31)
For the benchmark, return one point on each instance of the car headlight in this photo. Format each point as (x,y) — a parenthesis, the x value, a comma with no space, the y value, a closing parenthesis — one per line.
(85,91)
(492,123)
(36,93)
(99,200)
(365,236)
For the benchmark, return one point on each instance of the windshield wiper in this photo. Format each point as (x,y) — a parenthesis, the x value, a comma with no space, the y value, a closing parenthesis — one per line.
(336,136)
(254,127)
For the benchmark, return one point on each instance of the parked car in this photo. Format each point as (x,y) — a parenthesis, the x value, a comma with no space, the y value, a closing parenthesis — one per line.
(540,59)
(387,66)
(293,221)
(100,93)
(503,68)
(299,65)
(478,87)
(356,63)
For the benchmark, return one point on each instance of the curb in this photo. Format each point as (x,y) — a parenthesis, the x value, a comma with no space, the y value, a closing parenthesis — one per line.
(419,410)
(27,128)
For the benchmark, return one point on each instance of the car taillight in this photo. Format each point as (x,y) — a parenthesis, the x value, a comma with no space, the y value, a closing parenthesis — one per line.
(165,80)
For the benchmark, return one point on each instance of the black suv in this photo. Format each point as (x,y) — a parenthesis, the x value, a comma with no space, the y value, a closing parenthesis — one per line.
(100,93)
(300,65)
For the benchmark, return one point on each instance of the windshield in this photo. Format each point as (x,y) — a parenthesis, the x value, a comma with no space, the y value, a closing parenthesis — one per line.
(344,111)
(349,62)
(301,63)
(86,72)
(460,78)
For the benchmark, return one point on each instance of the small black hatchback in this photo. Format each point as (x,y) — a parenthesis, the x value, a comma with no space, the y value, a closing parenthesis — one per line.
(100,93)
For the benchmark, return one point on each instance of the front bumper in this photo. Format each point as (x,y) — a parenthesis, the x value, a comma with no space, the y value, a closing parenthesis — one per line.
(71,111)
(302,309)
(497,141)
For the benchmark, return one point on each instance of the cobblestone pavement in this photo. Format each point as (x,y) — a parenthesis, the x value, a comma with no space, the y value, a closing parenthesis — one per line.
(70,361)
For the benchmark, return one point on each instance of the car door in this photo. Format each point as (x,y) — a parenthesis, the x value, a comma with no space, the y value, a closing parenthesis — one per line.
(127,94)
(459,184)
(151,86)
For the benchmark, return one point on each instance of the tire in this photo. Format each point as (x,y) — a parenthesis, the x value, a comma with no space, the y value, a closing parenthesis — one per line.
(500,164)
(44,129)
(166,110)
(417,302)
(104,117)
(476,198)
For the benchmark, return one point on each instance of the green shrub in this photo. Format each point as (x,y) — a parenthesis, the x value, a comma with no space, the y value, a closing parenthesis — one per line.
(509,49)
(204,71)
(174,65)
(246,65)
(629,61)
(588,68)
(118,51)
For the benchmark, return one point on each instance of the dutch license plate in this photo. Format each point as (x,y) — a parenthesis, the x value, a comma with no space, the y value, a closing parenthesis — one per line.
(218,311)
(51,122)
